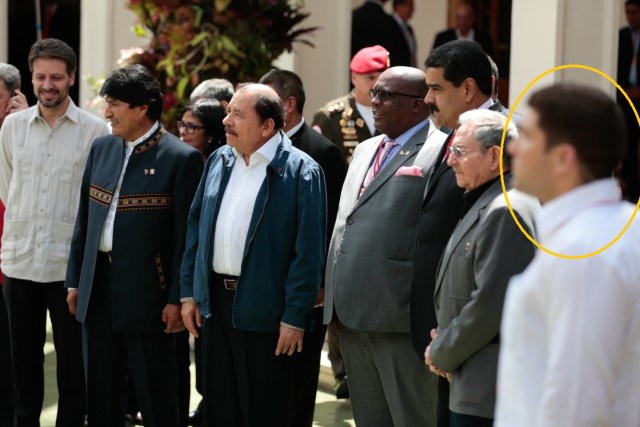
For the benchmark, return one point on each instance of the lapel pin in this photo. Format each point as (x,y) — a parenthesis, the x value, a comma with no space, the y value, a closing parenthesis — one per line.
(404,153)
(467,246)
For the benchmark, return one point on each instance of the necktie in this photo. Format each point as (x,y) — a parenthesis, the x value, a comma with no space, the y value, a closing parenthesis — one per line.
(446,151)
(378,161)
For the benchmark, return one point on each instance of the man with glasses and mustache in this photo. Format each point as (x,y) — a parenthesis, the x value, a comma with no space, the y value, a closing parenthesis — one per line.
(43,150)
(458,74)
(370,261)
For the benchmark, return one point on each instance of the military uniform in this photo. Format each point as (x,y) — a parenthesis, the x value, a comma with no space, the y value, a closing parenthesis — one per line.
(340,121)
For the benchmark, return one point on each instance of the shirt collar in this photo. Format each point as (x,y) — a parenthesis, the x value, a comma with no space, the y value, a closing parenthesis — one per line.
(295,129)
(487,104)
(144,137)
(72,112)
(471,36)
(402,139)
(266,151)
(562,209)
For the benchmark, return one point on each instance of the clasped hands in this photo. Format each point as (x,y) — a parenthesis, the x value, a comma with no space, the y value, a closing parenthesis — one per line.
(427,358)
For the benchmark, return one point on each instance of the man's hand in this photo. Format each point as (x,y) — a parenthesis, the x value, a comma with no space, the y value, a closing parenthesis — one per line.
(191,317)
(72,300)
(17,102)
(171,317)
(290,340)
(427,358)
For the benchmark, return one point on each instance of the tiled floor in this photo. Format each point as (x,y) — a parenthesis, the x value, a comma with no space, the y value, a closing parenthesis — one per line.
(329,411)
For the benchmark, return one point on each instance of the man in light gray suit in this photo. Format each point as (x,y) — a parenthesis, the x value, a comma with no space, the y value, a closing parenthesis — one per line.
(370,260)
(485,250)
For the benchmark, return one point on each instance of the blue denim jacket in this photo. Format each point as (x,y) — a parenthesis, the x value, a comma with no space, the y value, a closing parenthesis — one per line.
(284,251)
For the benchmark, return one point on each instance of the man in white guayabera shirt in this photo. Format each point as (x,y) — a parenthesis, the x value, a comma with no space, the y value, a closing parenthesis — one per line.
(43,150)
(570,352)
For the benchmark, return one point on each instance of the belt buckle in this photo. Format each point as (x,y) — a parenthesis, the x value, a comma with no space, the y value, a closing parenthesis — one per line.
(230,284)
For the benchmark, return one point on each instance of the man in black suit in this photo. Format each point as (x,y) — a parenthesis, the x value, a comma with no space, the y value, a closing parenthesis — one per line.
(402,12)
(629,80)
(290,89)
(465,18)
(371,25)
(126,251)
(459,78)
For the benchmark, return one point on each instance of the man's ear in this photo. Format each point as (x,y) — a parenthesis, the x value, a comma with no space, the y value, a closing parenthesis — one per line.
(268,126)
(470,89)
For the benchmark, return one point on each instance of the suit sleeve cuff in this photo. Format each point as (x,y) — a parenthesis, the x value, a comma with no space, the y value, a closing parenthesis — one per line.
(291,326)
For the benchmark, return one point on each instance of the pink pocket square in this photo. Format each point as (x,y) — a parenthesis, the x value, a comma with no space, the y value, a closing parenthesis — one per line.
(409,171)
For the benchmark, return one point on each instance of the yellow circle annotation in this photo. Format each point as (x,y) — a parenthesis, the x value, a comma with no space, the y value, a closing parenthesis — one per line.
(504,189)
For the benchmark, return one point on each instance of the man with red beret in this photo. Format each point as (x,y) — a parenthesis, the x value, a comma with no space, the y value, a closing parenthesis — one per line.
(348,120)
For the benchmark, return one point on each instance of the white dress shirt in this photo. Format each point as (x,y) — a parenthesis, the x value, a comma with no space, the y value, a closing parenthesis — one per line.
(41,168)
(236,208)
(106,239)
(570,354)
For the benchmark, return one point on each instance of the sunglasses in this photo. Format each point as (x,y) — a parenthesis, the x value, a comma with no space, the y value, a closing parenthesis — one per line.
(384,95)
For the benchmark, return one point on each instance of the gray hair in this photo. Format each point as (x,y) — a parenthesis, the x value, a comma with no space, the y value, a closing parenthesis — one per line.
(10,76)
(218,89)
(489,127)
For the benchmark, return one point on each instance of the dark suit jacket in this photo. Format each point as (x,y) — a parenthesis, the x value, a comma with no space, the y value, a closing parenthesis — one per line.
(485,250)
(149,231)
(625,57)
(371,25)
(331,160)
(440,212)
(481,38)
(370,260)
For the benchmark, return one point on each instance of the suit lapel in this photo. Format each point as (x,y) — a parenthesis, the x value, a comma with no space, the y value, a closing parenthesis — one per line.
(463,227)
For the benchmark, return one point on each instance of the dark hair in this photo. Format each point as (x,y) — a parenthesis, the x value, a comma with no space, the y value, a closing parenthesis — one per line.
(462,59)
(53,49)
(399,2)
(135,85)
(286,84)
(10,76)
(210,112)
(218,89)
(585,118)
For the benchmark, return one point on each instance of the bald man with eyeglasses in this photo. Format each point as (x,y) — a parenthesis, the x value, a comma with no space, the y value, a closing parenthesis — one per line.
(370,261)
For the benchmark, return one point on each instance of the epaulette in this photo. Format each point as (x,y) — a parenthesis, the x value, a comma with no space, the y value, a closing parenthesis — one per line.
(336,108)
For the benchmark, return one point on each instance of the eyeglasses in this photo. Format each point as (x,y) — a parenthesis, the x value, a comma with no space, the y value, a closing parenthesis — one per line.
(384,95)
(190,127)
(458,152)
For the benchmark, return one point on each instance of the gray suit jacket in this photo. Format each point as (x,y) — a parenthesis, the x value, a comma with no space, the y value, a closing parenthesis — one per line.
(370,260)
(485,250)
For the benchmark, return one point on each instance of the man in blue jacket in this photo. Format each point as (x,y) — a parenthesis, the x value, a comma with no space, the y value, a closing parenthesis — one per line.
(252,263)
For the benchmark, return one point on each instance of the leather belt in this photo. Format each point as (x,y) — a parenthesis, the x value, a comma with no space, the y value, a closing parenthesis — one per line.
(230,283)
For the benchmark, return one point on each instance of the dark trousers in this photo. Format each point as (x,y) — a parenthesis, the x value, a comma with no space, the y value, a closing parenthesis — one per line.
(6,377)
(335,355)
(109,354)
(307,370)
(183,376)
(245,384)
(462,420)
(444,415)
(27,303)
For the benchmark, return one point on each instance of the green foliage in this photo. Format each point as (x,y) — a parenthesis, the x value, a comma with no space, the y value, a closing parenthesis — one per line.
(194,40)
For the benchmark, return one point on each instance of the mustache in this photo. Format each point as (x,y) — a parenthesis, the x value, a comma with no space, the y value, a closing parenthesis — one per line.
(228,130)
(433,108)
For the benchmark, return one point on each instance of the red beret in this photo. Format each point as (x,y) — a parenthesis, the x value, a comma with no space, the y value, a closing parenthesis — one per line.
(370,60)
